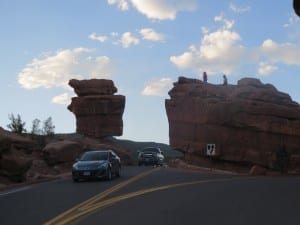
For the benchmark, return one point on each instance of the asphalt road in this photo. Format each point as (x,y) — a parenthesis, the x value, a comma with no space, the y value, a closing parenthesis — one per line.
(147,195)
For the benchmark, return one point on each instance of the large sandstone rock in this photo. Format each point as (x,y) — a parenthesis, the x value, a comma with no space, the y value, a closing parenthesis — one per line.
(98,111)
(15,157)
(247,122)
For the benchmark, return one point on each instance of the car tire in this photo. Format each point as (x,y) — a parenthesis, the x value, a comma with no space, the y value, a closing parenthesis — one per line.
(118,174)
(75,180)
(109,174)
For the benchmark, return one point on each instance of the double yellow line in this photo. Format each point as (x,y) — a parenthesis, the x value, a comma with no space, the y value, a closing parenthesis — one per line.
(86,206)
(94,203)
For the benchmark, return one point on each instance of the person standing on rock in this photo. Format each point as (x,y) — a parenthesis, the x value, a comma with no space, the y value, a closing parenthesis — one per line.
(225,82)
(204,77)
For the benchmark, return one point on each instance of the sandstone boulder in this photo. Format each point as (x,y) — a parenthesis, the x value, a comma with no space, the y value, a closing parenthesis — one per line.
(61,152)
(98,112)
(15,157)
(246,122)
(93,87)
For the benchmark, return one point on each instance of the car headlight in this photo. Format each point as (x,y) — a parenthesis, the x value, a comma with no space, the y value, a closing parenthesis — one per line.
(102,166)
(75,167)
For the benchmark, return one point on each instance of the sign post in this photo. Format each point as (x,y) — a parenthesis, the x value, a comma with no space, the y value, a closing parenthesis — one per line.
(211,149)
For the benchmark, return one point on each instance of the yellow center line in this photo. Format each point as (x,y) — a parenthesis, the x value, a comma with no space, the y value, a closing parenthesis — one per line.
(92,200)
(97,206)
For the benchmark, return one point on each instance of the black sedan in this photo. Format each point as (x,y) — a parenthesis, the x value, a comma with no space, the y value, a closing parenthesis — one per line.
(96,164)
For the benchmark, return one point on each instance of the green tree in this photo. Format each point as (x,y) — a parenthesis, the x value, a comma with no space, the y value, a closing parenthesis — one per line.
(36,127)
(16,124)
(48,127)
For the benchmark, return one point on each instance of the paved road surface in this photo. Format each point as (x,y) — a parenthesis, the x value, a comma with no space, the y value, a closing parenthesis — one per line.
(147,195)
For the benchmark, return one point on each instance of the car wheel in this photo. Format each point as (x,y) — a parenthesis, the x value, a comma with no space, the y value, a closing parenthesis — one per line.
(109,175)
(119,171)
(75,180)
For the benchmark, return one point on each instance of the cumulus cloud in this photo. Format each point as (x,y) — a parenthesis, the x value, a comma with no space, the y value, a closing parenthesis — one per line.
(151,35)
(55,70)
(63,99)
(95,37)
(285,53)
(157,9)
(219,51)
(122,4)
(158,87)
(266,68)
(239,9)
(128,39)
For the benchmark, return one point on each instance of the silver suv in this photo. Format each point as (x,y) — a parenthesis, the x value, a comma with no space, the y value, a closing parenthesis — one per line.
(150,156)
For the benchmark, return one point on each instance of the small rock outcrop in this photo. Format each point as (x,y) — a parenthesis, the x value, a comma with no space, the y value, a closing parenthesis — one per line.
(248,123)
(61,152)
(98,111)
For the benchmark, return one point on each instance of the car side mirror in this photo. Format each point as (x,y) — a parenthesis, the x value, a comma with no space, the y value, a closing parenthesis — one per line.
(76,160)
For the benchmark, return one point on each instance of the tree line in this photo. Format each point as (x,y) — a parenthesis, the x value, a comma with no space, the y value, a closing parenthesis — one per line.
(38,127)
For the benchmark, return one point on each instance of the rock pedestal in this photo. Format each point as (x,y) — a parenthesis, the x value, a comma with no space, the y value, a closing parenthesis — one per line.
(246,123)
(98,111)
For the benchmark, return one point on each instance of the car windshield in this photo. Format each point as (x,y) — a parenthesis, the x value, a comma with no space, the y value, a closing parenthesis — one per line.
(94,156)
(150,150)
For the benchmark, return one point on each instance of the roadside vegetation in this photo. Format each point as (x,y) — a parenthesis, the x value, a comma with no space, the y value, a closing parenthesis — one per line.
(17,125)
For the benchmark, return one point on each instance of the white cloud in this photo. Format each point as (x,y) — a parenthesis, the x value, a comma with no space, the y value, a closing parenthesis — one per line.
(285,53)
(219,51)
(128,39)
(227,24)
(151,35)
(293,20)
(96,37)
(122,4)
(57,69)
(157,9)
(266,68)
(63,99)
(239,10)
(292,28)
(159,87)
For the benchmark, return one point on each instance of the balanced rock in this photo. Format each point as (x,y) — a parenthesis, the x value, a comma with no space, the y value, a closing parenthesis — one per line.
(98,111)
(245,123)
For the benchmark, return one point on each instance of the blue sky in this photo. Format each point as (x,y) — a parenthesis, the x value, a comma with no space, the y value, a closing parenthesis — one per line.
(143,46)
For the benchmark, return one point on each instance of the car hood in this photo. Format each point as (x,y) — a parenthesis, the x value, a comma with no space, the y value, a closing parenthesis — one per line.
(89,164)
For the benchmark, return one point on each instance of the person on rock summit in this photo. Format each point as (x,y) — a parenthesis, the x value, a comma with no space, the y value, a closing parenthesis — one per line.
(225,82)
(204,77)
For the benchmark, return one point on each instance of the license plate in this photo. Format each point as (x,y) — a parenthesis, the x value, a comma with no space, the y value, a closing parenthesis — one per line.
(86,173)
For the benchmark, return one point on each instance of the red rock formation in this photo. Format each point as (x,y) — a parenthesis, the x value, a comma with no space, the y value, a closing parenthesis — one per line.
(14,155)
(247,122)
(61,152)
(98,111)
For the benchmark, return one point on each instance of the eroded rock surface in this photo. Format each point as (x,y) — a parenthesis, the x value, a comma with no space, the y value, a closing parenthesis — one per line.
(15,157)
(247,122)
(98,111)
